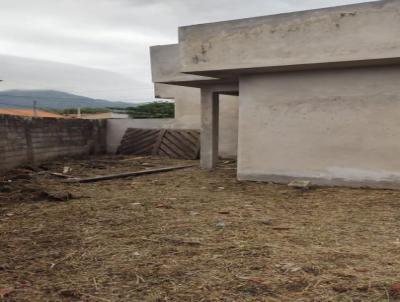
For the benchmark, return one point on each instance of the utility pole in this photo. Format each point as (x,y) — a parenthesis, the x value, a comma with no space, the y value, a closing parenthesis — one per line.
(79,115)
(35,109)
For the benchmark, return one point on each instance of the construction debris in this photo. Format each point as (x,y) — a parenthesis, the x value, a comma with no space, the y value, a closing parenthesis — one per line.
(114,244)
(4,292)
(300,184)
(164,206)
(67,170)
(266,221)
(128,174)
(63,196)
(60,175)
(395,290)
(220,224)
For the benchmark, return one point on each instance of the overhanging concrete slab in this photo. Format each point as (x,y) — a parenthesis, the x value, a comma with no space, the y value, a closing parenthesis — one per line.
(345,36)
(166,66)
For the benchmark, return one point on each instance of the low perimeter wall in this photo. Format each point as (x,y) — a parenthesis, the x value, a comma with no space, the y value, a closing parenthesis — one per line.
(27,141)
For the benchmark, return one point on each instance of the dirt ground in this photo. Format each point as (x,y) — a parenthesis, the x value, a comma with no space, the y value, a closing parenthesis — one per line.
(191,235)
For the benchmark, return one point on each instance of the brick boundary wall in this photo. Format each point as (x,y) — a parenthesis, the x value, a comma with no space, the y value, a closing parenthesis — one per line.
(33,140)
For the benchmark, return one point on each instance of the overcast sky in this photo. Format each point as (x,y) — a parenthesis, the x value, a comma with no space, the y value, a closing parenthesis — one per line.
(111,35)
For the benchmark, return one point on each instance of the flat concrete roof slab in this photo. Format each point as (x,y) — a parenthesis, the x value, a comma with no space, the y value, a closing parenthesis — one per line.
(336,36)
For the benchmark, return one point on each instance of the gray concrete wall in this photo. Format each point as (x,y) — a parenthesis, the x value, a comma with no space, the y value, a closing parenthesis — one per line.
(334,127)
(187,116)
(27,141)
(228,126)
(351,33)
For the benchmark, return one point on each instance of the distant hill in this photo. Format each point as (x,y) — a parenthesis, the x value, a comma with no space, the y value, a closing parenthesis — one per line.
(50,99)
(31,74)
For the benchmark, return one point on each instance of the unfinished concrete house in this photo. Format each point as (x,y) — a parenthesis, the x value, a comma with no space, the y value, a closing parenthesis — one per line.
(319,93)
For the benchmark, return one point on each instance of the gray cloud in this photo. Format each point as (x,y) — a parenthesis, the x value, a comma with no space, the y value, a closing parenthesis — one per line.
(114,35)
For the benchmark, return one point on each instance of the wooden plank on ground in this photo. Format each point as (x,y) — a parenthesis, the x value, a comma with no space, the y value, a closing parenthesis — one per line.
(128,174)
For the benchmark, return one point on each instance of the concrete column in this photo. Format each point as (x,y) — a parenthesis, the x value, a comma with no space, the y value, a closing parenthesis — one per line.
(209,129)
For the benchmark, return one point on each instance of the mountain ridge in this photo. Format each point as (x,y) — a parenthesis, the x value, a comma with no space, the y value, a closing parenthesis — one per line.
(54,99)
(33,74)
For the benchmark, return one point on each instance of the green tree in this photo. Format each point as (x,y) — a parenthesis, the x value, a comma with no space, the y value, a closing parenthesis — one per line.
(152,110)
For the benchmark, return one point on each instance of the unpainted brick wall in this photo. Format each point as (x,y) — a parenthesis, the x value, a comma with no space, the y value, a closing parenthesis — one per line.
(33,140)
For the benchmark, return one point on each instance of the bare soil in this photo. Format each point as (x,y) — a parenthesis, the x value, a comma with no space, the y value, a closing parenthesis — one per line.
(192,235)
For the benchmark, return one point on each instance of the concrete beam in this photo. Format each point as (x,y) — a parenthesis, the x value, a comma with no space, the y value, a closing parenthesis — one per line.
(352,35)
(164,91)
(209,128)
(166,66)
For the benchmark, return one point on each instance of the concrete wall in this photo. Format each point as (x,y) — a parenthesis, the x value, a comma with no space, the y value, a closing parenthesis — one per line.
(334,127)
(348,34)
(187,116)
(25,140)
(228,126)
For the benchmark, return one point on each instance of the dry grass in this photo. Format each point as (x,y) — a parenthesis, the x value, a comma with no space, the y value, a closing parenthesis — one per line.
(192,235)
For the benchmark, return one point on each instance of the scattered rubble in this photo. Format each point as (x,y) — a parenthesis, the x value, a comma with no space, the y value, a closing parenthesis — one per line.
(300,184)
(395,291)
(4,292)
(220,224)
(67,170)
